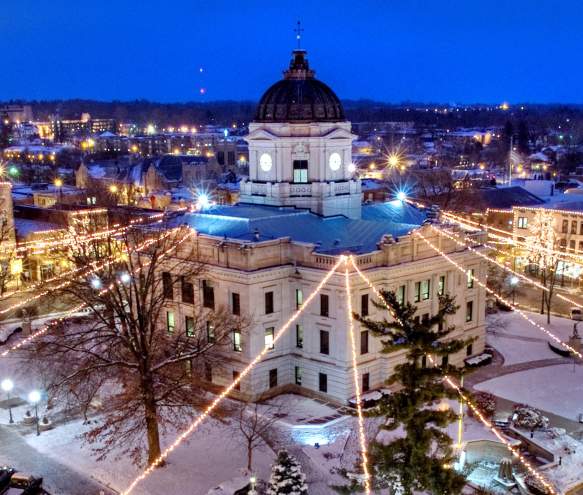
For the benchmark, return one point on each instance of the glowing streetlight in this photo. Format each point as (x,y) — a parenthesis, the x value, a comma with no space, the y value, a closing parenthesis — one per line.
(351,167)
(34,398)
(401,196)
(113,189)
(7,385)
(125,278)
(393,160)
(513,283)
(96,283)
(203,201)
(58,182)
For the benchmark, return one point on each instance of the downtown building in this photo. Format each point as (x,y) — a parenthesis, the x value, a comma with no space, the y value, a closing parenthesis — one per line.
(301,209)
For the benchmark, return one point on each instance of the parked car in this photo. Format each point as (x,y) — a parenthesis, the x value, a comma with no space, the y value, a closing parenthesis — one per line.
(23,483)
(577,314)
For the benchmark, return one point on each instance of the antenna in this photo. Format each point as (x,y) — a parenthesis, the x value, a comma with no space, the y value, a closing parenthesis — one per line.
(299,30)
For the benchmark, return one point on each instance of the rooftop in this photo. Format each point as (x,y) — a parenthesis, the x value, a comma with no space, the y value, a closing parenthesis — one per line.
(331,235)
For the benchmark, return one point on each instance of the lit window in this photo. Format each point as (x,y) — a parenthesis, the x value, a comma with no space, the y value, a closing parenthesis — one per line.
(237,346)
(189,326)
(170,323)
(522,222)
(441,286)
(401,294)
(299,298)
(470,278)
(469,311)
(210,332)
(299,336)
(269,336)
(300,169)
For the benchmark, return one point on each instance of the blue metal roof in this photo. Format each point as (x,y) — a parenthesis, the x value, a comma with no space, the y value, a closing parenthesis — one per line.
(332,235)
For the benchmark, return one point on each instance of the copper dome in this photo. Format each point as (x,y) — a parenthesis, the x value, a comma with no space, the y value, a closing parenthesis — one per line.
(299,97)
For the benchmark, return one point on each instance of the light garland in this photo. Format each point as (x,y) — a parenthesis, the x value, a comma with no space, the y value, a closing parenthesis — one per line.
(194,425)
(467,223)
(85,274)
(464,398)
(361,433)
(504,267)
(71,312)
(498,296)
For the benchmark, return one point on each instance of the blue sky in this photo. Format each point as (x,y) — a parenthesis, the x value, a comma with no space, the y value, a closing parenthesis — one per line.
(435,51)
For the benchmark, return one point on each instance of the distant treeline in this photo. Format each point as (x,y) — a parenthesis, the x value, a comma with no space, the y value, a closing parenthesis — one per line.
(228,112)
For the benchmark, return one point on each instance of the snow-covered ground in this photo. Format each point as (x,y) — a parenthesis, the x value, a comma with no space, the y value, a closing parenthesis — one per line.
(557,389)
(521,342)
(212,456)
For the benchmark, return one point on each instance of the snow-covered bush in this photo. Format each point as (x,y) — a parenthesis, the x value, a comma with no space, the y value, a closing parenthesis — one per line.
(529,417)
(535,485)
(485,402)
(287,476)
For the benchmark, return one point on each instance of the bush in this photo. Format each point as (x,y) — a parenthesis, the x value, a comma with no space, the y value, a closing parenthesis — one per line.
(485,402)
(529,417)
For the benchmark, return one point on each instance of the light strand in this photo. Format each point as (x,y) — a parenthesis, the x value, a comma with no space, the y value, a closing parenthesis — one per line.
(361,433)
(43,330)
(498,296)
(463,396)
(95,268)
(503,266)
(194,425)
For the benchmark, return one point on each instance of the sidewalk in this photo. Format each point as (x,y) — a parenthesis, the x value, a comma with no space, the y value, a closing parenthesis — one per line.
(58,478)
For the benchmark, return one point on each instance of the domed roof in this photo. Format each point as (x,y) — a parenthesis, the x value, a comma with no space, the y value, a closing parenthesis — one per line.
(299,97)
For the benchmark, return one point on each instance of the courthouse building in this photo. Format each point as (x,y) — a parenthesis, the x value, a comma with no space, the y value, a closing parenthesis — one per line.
(300,209)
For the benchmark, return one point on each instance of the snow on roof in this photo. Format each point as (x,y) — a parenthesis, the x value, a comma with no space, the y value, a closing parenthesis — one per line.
(96,171)
(331,235)
(107,134)
(25,226)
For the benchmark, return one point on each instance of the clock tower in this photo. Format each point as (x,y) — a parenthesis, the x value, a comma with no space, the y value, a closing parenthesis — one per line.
(300,147)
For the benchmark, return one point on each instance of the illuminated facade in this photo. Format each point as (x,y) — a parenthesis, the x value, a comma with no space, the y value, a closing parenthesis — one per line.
(298,212)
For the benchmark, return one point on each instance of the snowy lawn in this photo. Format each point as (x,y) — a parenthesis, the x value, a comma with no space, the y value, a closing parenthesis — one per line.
(511,343)
(213,455)
(557,389)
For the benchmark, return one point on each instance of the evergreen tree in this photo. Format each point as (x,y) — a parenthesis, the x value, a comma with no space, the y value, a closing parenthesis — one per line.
(421,459)
(287,476)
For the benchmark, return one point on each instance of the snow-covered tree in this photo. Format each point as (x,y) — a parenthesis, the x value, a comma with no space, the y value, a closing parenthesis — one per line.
(287,476)
(542,246)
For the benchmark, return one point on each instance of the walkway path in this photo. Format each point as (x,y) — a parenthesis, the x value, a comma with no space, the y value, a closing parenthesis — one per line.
(58,478)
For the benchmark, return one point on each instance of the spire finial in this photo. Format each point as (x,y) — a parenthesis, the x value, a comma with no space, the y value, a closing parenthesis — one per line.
(299,30)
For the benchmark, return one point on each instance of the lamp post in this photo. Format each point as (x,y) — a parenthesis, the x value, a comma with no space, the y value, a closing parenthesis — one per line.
(513,284)
(7,386)
(34,398)
(253,481)
(59,186)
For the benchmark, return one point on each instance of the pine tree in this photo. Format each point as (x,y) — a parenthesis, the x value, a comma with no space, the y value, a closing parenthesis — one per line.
(287,476)
(421,459)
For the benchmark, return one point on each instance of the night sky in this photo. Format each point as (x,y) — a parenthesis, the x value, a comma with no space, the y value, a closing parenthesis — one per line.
(435,51)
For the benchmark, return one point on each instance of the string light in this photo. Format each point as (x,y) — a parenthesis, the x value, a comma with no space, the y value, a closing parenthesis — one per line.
(194,425)
(95,268)
(463,396)
(467,223)
(498,296)
(361,433)
(71,312)
(503,266)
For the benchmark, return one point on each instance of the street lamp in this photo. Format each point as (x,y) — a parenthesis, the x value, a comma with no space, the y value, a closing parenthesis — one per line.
(59,186)
(253,481)
(513,284)
(34,398)
(7,385)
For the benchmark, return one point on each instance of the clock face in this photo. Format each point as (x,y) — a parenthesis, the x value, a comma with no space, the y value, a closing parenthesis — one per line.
(265,162)
(335,161)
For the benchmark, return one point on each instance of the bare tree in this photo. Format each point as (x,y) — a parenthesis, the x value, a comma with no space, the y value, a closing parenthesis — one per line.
(145,350)
(254,422)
